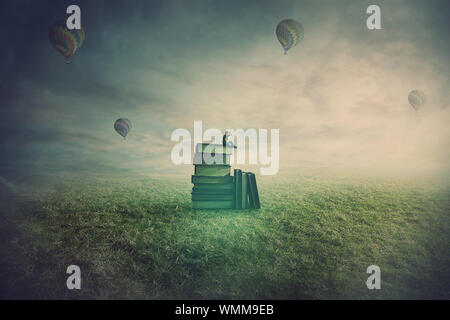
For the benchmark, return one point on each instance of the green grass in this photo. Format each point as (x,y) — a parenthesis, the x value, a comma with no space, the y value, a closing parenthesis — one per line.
(314,238)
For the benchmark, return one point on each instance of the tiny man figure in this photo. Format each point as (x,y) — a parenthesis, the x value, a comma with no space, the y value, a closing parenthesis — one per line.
(227,143)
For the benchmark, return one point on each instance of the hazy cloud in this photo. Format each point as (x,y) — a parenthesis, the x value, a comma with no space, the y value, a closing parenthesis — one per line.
(339,98)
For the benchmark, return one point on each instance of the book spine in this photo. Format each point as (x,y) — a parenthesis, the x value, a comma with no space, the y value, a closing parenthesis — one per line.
(235,188)
(196,196)
(212,171)
(218,192)
(211,159)
(254,191)
(244,191)
(238,189)
(211,180)
(258,203)
(251,202)
(212,204)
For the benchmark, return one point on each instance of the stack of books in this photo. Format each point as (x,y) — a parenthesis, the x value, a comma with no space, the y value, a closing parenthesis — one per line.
(214,187)
(246,191)
(213,183)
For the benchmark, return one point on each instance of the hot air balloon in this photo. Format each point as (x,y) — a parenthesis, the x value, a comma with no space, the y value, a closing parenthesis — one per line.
(66,41)
(289,32)
(122,126)
(416,98)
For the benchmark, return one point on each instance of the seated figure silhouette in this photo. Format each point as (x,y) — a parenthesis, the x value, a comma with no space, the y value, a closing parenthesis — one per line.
(226,143)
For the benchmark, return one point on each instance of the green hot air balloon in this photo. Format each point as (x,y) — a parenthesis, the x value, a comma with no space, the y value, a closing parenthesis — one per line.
(122,126)
(289,32)
(416,98)
(66,41)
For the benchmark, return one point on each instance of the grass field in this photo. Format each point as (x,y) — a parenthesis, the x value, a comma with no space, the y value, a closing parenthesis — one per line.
(314,238)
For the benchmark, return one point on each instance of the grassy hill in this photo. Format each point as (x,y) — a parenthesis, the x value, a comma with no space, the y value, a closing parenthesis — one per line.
(314,238)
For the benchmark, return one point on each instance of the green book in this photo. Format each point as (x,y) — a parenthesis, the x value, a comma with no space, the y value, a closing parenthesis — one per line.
(251,203)
(253,191)
(213,148)
(211,158)
(196,196)
(244,191)
(224,188)
(212,170)
(238,188)
(226,204)
(212,180)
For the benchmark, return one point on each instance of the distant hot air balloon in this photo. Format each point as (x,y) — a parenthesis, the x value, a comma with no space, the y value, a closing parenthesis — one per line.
(289,32)
(416,98)
(66,41)
(122,126)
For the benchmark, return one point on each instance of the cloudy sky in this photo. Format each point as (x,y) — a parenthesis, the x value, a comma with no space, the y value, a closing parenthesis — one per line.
(339,98)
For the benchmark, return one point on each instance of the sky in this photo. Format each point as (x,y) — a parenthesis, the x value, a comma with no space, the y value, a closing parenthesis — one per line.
(339,98)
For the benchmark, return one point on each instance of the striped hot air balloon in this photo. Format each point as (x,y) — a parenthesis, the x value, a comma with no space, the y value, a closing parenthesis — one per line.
(289,32)
(416,98)
(66,41)
(122,126)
